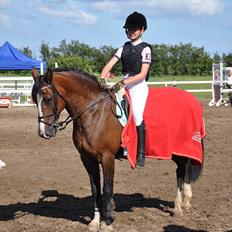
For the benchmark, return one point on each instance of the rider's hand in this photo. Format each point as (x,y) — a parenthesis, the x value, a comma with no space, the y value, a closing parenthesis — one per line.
(102,83)
(119,85)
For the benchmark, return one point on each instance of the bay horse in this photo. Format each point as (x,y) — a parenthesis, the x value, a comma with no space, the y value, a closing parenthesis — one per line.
(96,135)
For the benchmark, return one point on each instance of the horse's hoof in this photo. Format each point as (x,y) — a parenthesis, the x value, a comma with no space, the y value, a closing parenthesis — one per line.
(2,164)
(177,212)
(94,226)
(187,207)
(105,228)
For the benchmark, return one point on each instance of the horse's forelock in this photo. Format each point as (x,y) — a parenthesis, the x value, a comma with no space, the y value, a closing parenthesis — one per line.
(37,85)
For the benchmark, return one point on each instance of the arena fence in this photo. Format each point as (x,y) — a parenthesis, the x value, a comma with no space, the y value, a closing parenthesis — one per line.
(220,83)
(19,88)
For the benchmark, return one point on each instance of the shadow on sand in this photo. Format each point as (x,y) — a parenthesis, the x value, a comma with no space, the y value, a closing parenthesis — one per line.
(57,205)
(175,228)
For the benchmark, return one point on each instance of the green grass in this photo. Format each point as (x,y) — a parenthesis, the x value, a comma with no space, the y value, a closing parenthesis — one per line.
(206,96)
(181,78)
(171,78)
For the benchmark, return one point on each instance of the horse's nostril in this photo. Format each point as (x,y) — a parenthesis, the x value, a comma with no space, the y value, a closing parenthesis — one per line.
(51,132)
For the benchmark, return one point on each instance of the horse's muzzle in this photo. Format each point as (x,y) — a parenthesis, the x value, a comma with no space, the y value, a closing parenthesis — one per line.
(47,131)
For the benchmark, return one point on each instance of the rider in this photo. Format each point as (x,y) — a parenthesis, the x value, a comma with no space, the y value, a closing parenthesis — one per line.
(135,56)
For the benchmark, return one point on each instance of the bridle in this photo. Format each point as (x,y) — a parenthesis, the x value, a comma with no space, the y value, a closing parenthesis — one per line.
(55,123)
(62,124)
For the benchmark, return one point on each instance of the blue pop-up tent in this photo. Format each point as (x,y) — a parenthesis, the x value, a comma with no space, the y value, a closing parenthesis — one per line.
(13,59)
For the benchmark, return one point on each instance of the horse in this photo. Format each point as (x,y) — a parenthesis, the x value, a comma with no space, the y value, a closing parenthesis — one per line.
(96,135)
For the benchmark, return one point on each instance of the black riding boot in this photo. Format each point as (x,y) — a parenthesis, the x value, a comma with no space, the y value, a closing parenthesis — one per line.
(141,145)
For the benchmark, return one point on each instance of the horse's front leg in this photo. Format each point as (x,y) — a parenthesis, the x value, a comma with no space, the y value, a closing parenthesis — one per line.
(108,166)
(92,167)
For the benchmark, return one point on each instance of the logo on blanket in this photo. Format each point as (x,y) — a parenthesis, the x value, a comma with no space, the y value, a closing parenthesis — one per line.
(196,136)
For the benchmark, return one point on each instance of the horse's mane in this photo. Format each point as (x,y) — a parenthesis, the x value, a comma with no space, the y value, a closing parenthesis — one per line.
(77,71)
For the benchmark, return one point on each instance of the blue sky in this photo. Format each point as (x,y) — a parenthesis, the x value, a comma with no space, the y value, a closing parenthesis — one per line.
(204,23)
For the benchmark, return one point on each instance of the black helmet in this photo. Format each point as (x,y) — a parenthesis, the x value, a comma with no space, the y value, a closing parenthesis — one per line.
(135,20)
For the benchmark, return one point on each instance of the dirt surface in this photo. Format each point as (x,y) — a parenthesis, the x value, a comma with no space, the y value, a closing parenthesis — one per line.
(45,188)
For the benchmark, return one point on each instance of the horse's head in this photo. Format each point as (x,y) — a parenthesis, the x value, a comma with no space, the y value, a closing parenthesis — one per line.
(49,103)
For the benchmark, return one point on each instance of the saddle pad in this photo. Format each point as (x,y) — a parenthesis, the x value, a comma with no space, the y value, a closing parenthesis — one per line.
(119,109)
(174,125)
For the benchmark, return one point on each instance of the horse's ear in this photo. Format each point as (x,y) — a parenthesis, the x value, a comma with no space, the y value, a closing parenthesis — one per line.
(49,76)
(34,73)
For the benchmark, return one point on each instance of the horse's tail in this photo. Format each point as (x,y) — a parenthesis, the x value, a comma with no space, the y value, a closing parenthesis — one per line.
(193,169)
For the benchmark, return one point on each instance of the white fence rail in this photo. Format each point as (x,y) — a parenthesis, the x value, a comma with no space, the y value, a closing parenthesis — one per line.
(19,88)
(177,83)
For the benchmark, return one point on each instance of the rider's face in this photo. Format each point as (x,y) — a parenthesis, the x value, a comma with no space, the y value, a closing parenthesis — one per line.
(134,33)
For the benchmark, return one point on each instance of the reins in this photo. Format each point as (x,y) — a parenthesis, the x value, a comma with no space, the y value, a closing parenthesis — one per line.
(63,124)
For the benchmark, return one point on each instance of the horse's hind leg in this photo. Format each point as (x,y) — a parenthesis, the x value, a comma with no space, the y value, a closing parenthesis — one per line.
(187,196)
(180,173)
(93,170)
(187,187)
(178,199)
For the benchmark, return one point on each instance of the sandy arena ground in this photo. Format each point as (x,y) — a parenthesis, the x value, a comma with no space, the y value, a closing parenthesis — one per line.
(45,188)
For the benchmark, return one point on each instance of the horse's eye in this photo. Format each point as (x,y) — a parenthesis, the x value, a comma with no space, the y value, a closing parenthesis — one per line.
(47,100)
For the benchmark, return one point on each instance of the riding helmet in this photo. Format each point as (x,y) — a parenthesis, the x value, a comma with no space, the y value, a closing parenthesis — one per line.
(135,20)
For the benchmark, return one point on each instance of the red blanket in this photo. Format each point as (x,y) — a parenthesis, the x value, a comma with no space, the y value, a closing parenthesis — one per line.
(174,125)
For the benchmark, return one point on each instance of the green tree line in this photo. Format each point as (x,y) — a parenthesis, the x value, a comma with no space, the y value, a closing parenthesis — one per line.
(181,59)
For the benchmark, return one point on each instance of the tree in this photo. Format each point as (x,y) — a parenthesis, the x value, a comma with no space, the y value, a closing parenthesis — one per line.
(179,59)
(227,59)
(75,62)
(45,51)
(182,59)
(216,58)
(27,51)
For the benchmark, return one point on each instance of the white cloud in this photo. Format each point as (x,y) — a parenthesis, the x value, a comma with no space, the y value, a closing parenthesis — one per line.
(112,7)
(210,7)
(4,3)
(76,16)
(5,21)
(73,15)
(194,7)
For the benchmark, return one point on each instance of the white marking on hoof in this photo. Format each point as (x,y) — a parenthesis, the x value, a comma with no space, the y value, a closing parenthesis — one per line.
(105,228)
(2,164)
(187,196)
(187,206)
(178,203)
(178,212)
(94,225)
